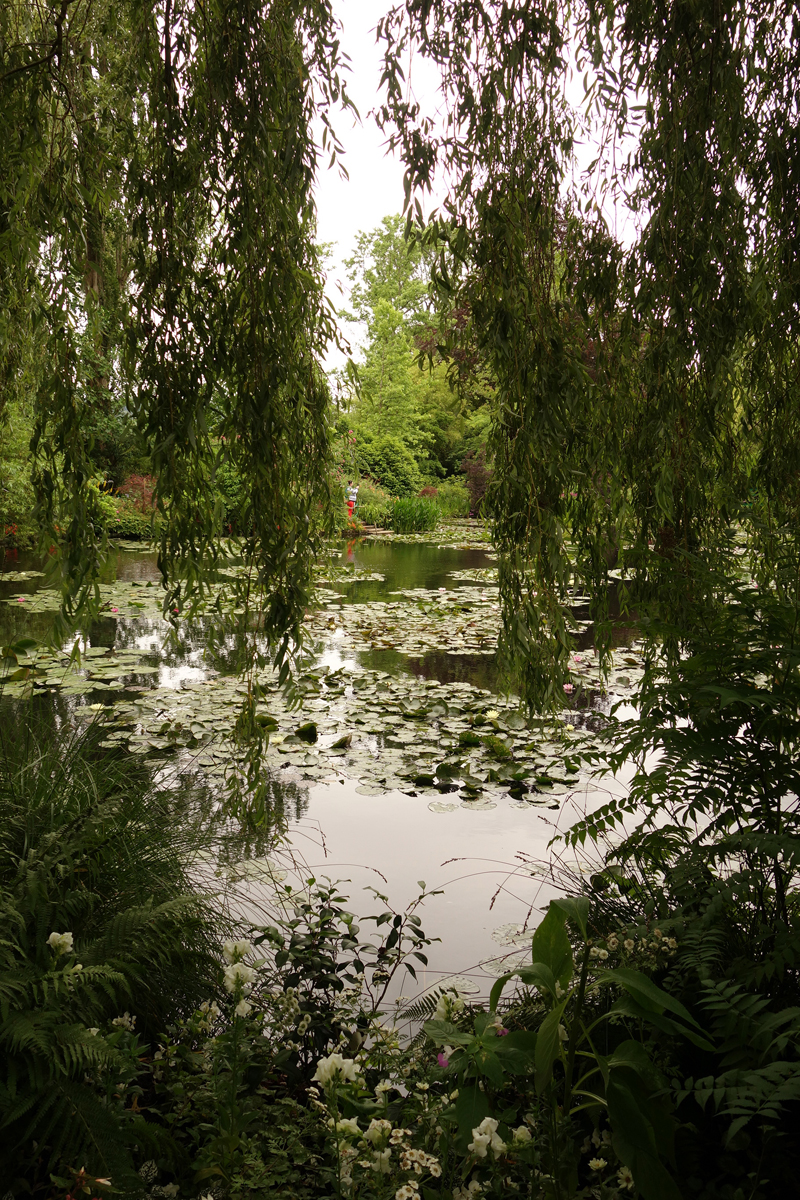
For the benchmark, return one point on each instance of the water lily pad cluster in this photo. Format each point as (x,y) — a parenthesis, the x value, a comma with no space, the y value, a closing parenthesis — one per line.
(386,733)
(463,620)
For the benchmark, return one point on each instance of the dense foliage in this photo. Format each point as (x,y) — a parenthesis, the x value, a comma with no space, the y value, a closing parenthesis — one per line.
(157,259)
(644,392)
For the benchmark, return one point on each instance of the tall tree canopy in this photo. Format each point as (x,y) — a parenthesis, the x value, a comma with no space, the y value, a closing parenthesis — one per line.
(157,245)
(646,395)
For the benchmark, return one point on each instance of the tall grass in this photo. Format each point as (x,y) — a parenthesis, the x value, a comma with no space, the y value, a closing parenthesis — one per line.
(414,514)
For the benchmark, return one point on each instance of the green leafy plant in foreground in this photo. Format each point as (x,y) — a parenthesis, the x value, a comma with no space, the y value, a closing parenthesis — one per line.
(100,919)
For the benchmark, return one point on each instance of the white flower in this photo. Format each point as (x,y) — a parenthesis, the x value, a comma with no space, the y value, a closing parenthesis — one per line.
(126,1021)
(563,1036)
(625,1177)
(348,1126)
(485,1137)
(335,1067)
(377,1129)
(602,955)
(522,1134)
(447,1006)
(380,1161)
(597,1164)
(170,1189)
(629,944)
(382,1086)
(560,993)
(593,952)
(93,1032)
(657,934)
(60,942)
(238,975)
(235,951)
(673,945)
(612,942)
(243,1008)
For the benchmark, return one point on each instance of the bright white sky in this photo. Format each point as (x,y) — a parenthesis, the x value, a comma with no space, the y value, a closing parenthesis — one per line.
(374,189)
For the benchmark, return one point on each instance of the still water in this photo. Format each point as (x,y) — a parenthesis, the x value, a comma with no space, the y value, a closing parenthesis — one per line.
(405,639)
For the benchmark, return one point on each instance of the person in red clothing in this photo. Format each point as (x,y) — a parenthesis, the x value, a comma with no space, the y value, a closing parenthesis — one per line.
(352,496)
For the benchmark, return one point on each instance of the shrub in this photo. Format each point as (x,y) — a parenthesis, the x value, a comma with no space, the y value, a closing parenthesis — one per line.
(139,489)
(414,514)
(453,497)
(374,503)
(479,476)
(388,460)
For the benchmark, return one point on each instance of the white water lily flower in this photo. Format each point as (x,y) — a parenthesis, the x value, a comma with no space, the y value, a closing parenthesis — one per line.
(238,974)
(61,943)
(597,1164)
(243,1008)
(236,951)
(334,1067)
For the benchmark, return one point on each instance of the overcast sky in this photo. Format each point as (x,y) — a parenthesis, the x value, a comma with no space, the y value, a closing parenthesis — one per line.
(375,185)
(374,189)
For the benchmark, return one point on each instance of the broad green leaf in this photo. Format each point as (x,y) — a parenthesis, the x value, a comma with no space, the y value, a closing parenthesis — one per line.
(643,990)
(551,946)
(472,1105)
(443,1034)
(548,1046)
(635,1142)
(577,910)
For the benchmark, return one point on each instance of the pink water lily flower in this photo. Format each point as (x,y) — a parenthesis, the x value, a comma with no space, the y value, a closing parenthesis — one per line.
(568,687)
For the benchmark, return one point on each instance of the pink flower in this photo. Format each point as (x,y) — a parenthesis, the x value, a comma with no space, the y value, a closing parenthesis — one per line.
(442,1061)
(568,687)
(20,599)
(174,610)
(502,1032)
(115,610)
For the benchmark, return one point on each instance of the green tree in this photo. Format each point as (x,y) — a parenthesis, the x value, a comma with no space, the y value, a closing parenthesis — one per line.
(644,397)
(156,203)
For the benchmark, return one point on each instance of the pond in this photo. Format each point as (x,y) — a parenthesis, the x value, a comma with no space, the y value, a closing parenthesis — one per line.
(404,762)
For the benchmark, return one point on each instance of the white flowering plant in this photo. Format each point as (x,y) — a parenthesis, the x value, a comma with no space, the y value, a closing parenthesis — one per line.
(592,1005)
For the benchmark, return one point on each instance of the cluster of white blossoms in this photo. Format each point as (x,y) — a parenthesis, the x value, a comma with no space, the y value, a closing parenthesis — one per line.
(408,1191)
(596,952)
(126,1021)
(485,1137)
(210,1012)
(335,1068)
(61,943)
(470,1192)
(448,1005)
(235,951)
(237,975)
(418,1161)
